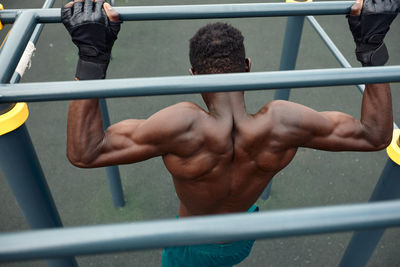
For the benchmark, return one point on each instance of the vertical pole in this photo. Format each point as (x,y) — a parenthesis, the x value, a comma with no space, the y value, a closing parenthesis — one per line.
(113,175)
(363,243)
(21,167)
(291,44)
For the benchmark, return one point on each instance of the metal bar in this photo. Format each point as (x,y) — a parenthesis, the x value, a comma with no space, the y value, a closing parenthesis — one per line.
(335,51)
(363,243)
(50,91)
(291,44)
(9,16)
(197,230)
(175,12)
(113,175)
(15,45)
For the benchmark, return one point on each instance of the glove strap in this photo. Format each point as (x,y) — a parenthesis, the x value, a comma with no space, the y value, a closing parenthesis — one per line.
(377,57)
(86,70)
(91,53)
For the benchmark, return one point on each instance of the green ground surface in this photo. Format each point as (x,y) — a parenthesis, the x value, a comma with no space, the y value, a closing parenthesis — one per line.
(160,48)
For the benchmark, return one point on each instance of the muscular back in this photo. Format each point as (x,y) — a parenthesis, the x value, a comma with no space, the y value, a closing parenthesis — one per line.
(230,156)
(227,161)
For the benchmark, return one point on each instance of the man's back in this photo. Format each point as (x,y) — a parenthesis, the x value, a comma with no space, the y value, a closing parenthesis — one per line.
(227,158)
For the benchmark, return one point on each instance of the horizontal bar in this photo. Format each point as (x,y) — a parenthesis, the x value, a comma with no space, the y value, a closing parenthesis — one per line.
(9,15)
(50,91)
(197,230)
(205,11)
(335,51)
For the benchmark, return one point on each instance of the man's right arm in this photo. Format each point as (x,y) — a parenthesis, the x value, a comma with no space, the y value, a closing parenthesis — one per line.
(337,131)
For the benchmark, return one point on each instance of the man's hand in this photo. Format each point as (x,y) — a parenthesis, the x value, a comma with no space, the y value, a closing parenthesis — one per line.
(93,26)
(369,22)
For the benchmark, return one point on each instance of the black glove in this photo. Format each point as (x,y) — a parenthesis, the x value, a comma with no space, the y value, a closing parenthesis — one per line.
(369,30)
(93,34)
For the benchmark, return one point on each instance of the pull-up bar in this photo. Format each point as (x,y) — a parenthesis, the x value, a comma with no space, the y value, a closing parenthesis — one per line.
(197,230)
(48,91)
(202,11)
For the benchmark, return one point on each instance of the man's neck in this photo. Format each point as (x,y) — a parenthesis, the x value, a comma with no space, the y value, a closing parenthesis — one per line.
(230,104)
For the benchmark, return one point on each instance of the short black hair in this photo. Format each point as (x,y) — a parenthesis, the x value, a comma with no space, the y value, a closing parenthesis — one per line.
(217,48)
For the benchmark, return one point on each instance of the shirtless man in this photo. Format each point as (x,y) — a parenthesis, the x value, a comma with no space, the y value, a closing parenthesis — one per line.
(220,159)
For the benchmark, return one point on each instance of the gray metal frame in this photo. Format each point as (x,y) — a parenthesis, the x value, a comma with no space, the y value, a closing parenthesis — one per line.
(101,239)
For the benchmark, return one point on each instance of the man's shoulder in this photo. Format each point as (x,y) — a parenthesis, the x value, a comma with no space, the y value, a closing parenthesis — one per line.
(189,106)
(177,118)
(183,110)
(275,108)
(182,107)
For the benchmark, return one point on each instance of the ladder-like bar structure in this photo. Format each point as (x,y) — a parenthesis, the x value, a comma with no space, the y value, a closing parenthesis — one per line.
(133,236)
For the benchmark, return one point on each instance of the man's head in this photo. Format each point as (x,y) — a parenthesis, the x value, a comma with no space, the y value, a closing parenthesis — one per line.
(218,48)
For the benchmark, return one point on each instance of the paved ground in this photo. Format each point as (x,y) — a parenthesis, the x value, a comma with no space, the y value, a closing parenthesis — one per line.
(147,49)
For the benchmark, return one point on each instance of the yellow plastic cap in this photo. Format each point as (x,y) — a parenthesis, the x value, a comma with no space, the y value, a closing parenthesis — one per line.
(393,150)
(1,25)
(14,118)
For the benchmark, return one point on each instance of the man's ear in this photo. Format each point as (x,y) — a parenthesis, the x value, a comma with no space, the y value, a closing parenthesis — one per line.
(192,72)
(248,64)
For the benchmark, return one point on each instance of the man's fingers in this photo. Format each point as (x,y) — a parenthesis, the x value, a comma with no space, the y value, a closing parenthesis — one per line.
(110,12)
(69,4)
(357,7)
(66,11)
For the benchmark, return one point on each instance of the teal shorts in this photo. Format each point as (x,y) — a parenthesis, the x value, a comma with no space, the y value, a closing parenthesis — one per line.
(218,255)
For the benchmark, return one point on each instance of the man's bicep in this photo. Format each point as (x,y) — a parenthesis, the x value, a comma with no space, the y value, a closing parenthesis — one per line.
(329,130)
(122,144)
(133,140)
(335,131)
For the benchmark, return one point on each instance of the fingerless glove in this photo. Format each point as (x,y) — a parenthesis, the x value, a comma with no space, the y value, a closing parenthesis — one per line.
(93,34)
(370,28)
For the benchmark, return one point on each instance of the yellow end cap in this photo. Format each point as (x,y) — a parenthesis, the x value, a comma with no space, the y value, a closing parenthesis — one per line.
(298,1)
(14,118)
(1,25)
(393,150)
